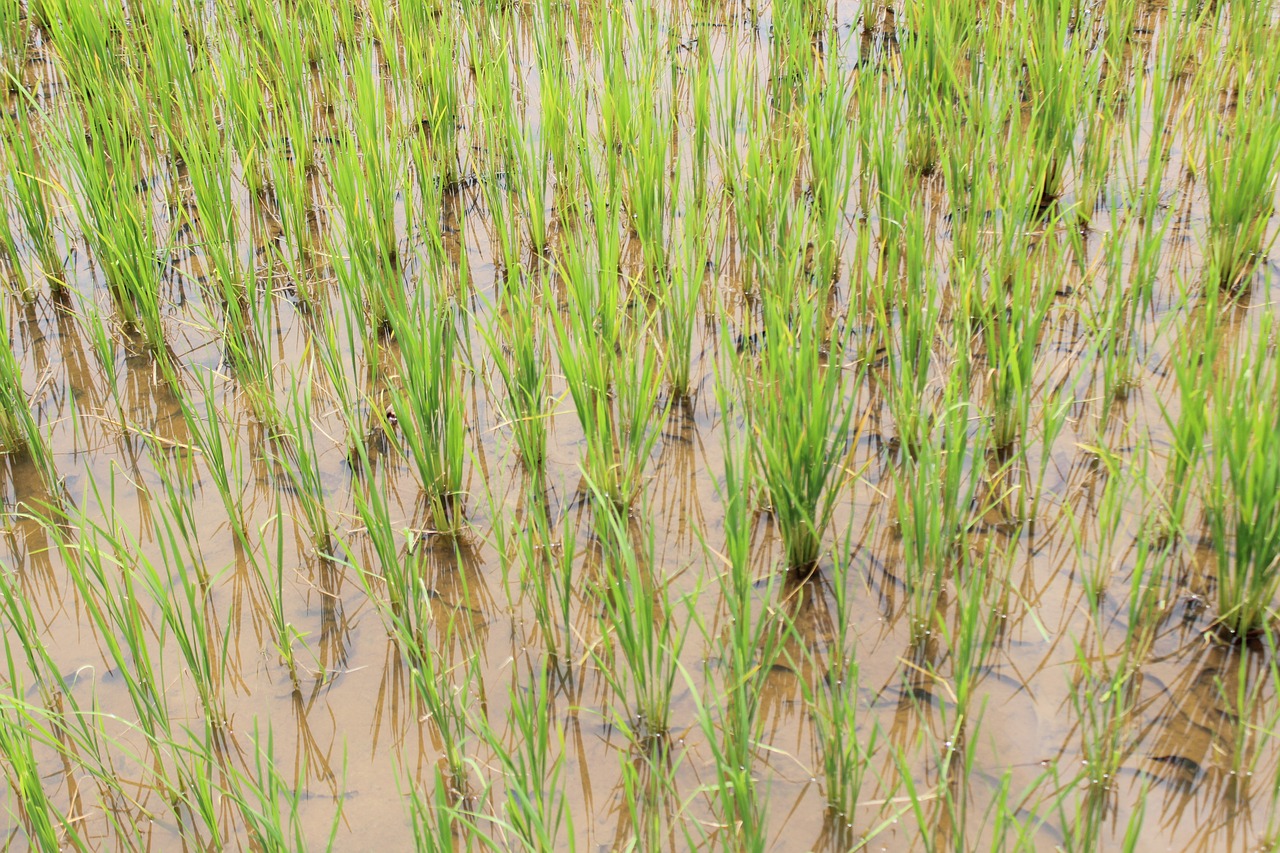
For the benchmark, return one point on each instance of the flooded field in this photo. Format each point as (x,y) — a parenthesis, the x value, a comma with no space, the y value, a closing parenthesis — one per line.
(529,425)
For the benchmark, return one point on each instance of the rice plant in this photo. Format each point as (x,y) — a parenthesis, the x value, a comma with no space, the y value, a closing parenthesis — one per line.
(682,297)
(616,399)
(749,648)
(1243,425)
(800,422)
(114,211)
(517,345)
(34,193)
(644,640)
(20,433)
(426,402)
(1240,174)
(13,48)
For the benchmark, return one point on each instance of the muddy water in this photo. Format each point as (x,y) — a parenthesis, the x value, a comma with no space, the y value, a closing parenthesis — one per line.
(348,737)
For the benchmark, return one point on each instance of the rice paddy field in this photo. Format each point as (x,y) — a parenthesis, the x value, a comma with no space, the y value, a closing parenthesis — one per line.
(653,425)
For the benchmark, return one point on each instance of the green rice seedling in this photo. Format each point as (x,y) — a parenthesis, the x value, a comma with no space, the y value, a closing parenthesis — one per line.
(531,758)
(431,45)
(32,189)
(406,611)
(86,39)
(103,345)
(532,176)
(15,276)
(534,150)
(376,158)
(14,409)
(1242,688)
(534,550)
(1058,63)
(1189,424)
(888,159)
(637,621)
(212,216)
(1144,165)
(1241,169)
(105,157)
(328,32)
(700,97)
(244,103)
(618,102)
(1244,476)
(1130,278)
(270,804)
(23,635)
(222,455)
(683,293)
(1102,98)
(199,787)
(1103,699)
(504,215)
(768,221)
(296,460)
(790,54)
(20,434)
(973,130)
(612,369)
(930,45)
(563,568)
(490,41)
(273,589)
(651,177)
(167,74)
(183,606)
(428,404)
(735,89)
(1105,693)
(649,820)
(517,346)
(431,204)
(800,418)
(621,422)
(1014,319)
(1054,411)
(910,329)
(44,824)
(295,207)
(434,818)
(1096,156)
(1116,491)
(555,87)
(1150,582)
(109,595)
(364,185)
(1118,21)
(748,649)
(972,639)
(277,61)
(51,716)
(13,43)
(827,101)
(594,285)
(650,168)
(935,494)
(846,741)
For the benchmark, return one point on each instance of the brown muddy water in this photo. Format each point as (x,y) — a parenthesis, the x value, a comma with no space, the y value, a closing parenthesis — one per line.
(1198,765)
